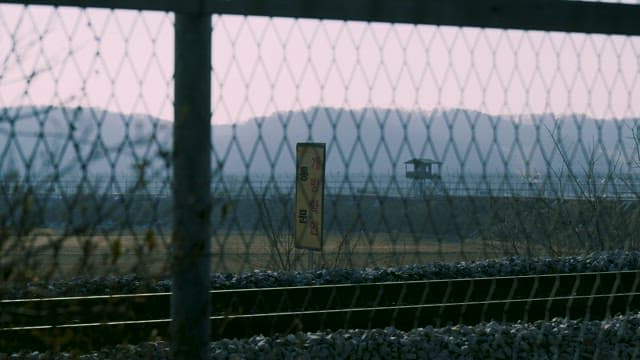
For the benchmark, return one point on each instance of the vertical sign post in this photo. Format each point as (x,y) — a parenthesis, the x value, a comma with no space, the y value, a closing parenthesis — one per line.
(310,159)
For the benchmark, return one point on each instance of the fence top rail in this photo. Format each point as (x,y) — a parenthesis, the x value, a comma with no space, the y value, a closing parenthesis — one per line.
(543,15)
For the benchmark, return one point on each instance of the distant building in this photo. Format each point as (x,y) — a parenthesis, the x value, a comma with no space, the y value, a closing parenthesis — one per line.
(425,175)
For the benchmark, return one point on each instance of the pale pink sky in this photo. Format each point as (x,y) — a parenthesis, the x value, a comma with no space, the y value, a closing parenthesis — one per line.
(123,61)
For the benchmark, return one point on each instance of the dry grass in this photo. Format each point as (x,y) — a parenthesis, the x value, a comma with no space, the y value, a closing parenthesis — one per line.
(147,252)
(236,252)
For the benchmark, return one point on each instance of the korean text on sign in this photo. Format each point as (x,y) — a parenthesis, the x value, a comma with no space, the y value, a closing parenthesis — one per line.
(310,164)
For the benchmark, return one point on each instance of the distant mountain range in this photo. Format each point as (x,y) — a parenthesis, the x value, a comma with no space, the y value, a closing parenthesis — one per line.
(365,141)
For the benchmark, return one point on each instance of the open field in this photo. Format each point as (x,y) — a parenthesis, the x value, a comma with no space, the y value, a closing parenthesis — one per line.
(362,231)
(50,254)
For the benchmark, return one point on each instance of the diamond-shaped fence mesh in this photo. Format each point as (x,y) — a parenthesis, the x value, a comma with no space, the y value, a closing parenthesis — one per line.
(443,143)
(85,158)
(480,174)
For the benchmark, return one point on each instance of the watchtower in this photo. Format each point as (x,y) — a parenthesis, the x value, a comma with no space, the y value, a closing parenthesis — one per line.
(424,175)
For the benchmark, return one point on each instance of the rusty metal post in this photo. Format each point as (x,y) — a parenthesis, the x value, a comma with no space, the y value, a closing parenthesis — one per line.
(191,262)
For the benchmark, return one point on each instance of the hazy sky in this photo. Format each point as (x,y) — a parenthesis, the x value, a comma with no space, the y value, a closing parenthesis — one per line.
(123,61)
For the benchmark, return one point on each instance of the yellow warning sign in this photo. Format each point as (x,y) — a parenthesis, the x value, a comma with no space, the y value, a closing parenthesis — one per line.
(309,195)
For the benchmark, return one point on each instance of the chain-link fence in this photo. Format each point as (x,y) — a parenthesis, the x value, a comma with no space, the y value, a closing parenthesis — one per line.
(444,144)
(85,156)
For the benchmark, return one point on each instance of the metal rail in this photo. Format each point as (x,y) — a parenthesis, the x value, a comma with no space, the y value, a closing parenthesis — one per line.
(543,15)
(95,321)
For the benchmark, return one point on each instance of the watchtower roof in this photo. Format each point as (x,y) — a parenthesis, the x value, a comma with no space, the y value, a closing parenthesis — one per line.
(417,161)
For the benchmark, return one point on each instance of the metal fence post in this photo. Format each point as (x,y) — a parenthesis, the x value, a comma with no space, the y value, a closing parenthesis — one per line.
(190,299)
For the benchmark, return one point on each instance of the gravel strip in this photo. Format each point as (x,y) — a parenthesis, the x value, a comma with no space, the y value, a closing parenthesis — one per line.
(615,338)
(83,286)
